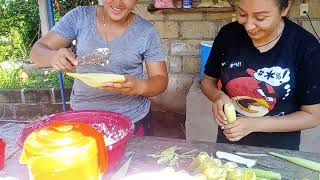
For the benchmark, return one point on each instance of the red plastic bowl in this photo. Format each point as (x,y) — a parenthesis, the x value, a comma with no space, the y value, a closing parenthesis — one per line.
(2,152)
(114,125)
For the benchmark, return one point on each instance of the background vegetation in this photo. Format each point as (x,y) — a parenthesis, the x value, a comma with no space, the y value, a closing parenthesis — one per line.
(19,29)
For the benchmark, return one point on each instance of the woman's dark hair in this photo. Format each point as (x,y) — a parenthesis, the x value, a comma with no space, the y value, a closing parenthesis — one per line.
(282,4)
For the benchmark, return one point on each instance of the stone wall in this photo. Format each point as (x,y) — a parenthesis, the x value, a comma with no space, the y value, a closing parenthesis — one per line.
(182,31)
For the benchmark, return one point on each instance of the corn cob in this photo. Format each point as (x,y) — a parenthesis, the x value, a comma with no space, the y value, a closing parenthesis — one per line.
(230,112)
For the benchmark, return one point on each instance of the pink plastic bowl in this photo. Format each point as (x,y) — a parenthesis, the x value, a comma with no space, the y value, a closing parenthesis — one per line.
(2,152)
(117,127)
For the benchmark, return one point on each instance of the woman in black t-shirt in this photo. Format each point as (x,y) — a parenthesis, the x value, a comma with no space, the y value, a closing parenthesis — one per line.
(267,66)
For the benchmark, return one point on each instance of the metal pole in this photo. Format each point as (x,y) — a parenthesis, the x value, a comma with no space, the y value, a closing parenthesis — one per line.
(60,75)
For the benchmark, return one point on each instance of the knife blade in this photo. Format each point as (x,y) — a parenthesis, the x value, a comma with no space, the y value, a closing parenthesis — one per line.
(97,57)
(122,171)
(252,154)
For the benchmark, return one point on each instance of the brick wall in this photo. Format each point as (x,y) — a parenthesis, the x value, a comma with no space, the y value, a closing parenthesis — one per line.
(181,32)
(27,104)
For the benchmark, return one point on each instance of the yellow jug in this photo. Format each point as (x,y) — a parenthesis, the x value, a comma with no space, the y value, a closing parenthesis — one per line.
(64,151)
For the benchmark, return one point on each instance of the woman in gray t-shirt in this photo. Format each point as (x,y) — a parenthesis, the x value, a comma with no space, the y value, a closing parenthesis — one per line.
(132,41)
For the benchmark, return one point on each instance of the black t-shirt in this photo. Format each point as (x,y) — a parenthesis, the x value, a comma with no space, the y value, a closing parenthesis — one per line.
(272,83)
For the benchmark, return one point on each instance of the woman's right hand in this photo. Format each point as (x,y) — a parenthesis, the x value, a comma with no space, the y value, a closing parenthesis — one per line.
(217,109)
(63,60)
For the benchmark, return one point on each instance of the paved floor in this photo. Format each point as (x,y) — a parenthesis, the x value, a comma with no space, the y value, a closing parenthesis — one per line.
(9,132)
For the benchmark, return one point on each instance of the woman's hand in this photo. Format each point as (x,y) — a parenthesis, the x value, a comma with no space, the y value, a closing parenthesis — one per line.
(132,86)
(217,108)
(240,128)
(63,60)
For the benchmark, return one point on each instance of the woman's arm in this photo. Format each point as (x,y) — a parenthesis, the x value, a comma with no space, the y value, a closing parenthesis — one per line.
(209,87)
(218,97)
(307,117)
(157,81)
(50,51)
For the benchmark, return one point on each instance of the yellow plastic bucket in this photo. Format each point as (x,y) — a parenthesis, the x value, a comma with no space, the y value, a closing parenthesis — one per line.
(63,152)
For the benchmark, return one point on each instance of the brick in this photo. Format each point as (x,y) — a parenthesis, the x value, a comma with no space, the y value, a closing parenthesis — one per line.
(57,94)
(198,30)
(37,95)
(184,16)
(174,64)
(219,25)
(28,111)
(190,64)
(6,111)
(185,48)
(219,16)
(141,9)
(197,65)
(143,1)
(173,99)
(165,46)
(297,21)
(168,29)
(10,96)
(53,108)
(294,10)
(316,24)
(144,68)
(314,9)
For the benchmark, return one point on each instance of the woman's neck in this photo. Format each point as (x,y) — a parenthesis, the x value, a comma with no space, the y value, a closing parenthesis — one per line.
(270,41)
(103,16)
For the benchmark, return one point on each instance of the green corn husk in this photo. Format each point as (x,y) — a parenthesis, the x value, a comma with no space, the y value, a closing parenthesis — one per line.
(266,174)
(213,173)
(236,174)
(230,166)
(201,158)
(299,161)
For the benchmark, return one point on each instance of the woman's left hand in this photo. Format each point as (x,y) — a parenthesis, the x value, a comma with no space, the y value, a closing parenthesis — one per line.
(132,86)
(240,128)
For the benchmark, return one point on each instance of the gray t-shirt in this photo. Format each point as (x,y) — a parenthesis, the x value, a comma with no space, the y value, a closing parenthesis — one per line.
(139,43)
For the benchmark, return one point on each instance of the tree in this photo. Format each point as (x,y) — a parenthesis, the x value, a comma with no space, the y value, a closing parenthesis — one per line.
(19,27)
(20,24)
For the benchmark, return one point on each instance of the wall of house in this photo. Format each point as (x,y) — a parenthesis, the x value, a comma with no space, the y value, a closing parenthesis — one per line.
(181,32)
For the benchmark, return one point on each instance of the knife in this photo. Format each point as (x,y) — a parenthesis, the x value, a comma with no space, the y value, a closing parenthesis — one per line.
(236,158)
(99,56)
(122,171)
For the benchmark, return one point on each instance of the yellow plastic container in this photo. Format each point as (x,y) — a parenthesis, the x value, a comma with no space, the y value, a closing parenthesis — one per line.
(61,153)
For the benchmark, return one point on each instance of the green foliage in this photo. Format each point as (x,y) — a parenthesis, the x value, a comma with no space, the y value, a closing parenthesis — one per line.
(20,24)
(19,27)
(10,78)
(13,78)
(63,6)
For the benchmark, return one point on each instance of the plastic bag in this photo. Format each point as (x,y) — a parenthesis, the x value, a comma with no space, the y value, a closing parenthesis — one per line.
(163,4)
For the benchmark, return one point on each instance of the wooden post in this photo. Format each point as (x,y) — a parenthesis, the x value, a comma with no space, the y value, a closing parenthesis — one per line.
(44,18)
